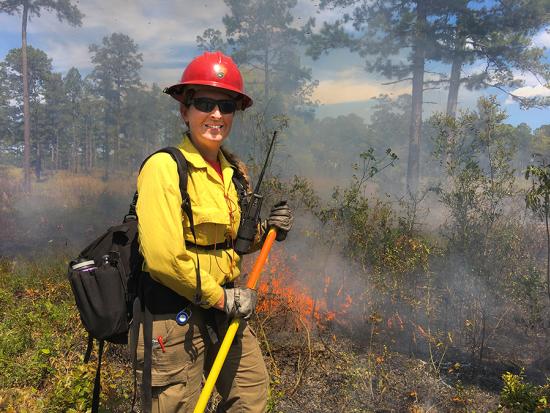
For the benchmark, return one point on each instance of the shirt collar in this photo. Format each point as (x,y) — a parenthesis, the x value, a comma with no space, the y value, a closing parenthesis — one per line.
(191,153)
(194,157)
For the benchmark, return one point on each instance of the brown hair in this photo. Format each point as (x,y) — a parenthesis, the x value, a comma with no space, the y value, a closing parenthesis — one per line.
(240,165)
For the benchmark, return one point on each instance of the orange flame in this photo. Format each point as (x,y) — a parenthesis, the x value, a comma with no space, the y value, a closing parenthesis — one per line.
(281,291)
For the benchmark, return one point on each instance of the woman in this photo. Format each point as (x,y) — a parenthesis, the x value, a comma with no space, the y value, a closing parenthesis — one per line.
(210,91)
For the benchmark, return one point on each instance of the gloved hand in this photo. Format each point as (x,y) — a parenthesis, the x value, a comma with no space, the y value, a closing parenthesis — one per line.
(240,302)
(281,218)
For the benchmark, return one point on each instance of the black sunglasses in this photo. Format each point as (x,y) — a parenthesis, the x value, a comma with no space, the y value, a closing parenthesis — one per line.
(207,105)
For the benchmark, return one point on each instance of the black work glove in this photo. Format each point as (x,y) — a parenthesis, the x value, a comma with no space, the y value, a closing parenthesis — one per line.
(280,218)
(240,302)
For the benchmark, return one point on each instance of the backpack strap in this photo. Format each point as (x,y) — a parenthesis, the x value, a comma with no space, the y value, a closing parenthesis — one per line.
(183,170)
(141,313)
(132,210)
(97,380)
(241,186)
(146,380)
(89,348)
(137,311)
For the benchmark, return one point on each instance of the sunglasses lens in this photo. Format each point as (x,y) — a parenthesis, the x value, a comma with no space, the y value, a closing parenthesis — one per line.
(227,106)
(204,104)
(207,105)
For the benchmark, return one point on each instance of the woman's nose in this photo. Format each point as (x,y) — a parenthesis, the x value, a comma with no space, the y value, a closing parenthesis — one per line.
(216,112)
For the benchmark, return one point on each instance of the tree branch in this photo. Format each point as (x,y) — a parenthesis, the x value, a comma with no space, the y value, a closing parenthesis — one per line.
(397,81)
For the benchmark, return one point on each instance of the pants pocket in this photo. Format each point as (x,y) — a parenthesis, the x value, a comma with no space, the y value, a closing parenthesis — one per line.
(170,356)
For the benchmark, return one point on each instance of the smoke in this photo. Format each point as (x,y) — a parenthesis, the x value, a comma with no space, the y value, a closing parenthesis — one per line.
(468,306)
(63,213)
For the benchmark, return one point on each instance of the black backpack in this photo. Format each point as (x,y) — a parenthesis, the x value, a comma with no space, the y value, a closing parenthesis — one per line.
(110,287)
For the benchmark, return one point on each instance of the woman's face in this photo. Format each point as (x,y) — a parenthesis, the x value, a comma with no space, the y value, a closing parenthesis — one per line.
(208,129)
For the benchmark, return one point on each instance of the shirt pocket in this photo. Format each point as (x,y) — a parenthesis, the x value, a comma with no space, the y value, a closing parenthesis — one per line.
(207,214)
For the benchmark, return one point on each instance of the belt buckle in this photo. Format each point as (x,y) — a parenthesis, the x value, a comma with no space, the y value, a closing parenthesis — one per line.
(228,242)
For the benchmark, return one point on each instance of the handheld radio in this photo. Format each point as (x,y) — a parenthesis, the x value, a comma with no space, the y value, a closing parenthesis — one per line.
(249,220)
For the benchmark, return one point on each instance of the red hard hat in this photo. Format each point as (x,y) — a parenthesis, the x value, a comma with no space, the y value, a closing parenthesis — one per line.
(212,69)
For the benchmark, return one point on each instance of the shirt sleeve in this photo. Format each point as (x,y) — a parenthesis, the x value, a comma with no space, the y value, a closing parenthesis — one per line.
(161,232)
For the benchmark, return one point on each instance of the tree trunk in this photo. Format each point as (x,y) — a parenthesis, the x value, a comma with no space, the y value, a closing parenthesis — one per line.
(26,103)
(106,156)
(75,145)
(118,141)
(57,152)
(454,85)
(483,336)
(145,138)
(546,212)
(38,165)
(93,149)
(415,130)
(456,68)
(106,146)
(452,98)
(87,149)
(117,131)
(266,77)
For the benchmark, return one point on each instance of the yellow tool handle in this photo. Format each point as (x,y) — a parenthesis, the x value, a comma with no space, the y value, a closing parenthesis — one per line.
(233,327)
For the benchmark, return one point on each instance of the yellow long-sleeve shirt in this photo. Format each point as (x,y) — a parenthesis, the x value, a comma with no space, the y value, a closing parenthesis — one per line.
(163,227)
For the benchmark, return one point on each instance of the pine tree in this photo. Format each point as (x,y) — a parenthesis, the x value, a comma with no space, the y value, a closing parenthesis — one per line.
(498,36)
(73,86)
(39,71)
(383,31)
(64,10)
(117,64)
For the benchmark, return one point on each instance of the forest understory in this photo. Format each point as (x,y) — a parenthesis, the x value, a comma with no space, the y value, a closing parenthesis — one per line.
(417,275)
(313,367)
(400,340)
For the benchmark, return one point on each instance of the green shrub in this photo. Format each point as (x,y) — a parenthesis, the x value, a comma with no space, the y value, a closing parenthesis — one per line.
(42,345)
(519,396)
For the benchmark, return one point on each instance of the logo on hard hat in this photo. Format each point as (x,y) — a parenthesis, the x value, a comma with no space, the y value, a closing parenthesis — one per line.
(220,70)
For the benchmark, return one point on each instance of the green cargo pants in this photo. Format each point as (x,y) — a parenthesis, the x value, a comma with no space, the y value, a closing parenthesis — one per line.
(187,352)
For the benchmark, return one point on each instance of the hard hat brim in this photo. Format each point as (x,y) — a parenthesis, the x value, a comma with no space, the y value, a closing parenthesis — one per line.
(176,90)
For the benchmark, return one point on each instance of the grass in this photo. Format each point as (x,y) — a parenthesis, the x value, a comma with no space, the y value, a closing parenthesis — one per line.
(314,368)
(64,211)
(42,345)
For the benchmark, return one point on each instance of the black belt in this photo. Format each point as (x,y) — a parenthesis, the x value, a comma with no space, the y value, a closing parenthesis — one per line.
(226,245)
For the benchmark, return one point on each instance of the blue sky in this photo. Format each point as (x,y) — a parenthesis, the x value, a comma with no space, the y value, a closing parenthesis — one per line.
(166,31)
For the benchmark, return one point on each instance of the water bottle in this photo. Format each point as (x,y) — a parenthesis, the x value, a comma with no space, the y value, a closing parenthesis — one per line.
(84,265)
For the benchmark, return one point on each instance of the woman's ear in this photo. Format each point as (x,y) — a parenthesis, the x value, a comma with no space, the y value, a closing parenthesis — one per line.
(184,113)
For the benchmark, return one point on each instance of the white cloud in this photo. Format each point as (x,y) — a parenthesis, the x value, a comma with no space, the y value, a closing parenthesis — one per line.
(142,20)
(331,91)
(163,77)
(529,92)
(343,79)
(67,54)
(532,84)
(310,8)
(161,24)
(542,39)
(165,32)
